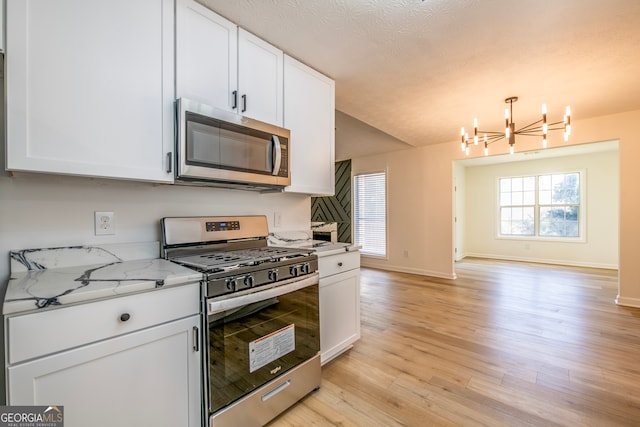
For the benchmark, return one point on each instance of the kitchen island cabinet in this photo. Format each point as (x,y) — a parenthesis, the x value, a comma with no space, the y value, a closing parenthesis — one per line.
(224,66)
(90,87)
(309,113)
(339,303)
(121,365)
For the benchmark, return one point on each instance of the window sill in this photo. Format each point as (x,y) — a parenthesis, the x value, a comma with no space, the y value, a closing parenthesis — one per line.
(544,239)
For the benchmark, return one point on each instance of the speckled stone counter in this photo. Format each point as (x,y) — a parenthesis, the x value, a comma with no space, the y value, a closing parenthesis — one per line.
(302,239)
(49,277)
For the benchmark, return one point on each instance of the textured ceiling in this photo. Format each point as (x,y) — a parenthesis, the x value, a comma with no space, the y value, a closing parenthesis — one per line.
(419,70)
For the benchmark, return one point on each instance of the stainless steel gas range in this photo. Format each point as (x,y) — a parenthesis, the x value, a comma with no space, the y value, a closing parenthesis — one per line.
(261,317)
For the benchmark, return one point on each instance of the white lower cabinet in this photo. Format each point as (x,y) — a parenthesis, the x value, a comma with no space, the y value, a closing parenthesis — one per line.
(150,377)
(339,303)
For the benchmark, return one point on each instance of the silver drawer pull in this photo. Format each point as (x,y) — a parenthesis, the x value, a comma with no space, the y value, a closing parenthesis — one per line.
(124,317)
(276,390)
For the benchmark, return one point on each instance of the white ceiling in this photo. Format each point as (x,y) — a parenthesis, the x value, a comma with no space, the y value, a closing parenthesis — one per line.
(419,70)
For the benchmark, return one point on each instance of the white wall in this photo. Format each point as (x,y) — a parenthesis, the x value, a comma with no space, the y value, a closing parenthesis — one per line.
(46,210)
(421,189)
(416,211)
(601,201)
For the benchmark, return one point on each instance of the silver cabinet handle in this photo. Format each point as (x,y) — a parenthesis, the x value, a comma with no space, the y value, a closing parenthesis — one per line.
(169,163)
(196,339)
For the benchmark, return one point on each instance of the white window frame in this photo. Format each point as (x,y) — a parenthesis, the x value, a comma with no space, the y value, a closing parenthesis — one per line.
(386,212)
(582,238)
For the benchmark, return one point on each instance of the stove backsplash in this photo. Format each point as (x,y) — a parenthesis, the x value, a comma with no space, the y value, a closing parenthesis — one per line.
(40,211)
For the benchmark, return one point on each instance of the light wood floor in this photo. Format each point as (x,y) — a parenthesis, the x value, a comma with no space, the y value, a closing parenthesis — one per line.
(506,344)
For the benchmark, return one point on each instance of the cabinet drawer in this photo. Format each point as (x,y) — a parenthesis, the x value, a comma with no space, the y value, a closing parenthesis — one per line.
(334,264)
(37,334)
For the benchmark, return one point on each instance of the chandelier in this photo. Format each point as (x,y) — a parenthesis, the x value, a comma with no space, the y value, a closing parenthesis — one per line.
(538,128)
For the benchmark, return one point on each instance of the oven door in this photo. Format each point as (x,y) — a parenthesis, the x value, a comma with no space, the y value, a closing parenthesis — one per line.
(256,337)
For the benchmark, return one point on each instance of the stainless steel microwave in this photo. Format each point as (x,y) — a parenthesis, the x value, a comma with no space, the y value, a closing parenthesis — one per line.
(220,148)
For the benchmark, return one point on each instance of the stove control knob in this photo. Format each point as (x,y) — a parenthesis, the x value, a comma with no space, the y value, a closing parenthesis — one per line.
(231,284)
(273,275)
(248,281)
(305,268)
(293,270)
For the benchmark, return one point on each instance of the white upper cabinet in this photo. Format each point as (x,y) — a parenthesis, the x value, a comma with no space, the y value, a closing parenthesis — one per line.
(90,87)
(1,25)
(224,66)
(206,56)
(309,112)
(259,79)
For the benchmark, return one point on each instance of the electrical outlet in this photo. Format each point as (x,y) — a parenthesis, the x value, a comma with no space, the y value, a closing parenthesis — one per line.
(277,219)
(105,223)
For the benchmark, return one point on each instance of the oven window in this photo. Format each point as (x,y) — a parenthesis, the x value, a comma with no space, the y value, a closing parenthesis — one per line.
(251,345)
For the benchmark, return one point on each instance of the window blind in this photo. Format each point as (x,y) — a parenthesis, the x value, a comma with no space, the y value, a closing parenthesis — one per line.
(370,213)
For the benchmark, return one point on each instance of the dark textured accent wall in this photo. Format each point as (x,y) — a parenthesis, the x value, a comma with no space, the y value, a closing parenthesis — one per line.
(338,207)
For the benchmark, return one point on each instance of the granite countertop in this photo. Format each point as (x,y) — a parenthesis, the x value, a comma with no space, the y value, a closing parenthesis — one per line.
(302,239)
(42,278)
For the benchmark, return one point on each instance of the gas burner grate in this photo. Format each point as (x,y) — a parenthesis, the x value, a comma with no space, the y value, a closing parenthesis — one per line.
(220,260)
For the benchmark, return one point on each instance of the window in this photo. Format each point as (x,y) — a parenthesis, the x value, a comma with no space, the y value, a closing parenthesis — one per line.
(370,213)
(542,205)
(517,206)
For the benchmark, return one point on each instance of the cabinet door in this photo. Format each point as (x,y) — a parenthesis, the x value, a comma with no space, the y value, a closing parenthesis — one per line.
(90,87)
(147,378)
(339,313)
(1,25)
(206,56)
(309,112)
(260,74)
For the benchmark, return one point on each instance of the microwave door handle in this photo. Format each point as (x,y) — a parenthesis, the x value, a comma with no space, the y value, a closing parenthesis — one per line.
(277,156)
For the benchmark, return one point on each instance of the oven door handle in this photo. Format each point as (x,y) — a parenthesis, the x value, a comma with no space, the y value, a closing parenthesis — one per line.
(284,287)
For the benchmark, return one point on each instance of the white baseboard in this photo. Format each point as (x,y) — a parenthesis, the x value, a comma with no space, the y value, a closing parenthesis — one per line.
(629,302)
(421,272)
(546,261)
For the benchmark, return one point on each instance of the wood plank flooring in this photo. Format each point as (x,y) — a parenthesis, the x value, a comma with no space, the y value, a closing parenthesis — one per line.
(506,344)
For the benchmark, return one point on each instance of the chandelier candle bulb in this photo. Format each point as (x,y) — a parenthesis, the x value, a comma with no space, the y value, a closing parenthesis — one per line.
(475,131)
